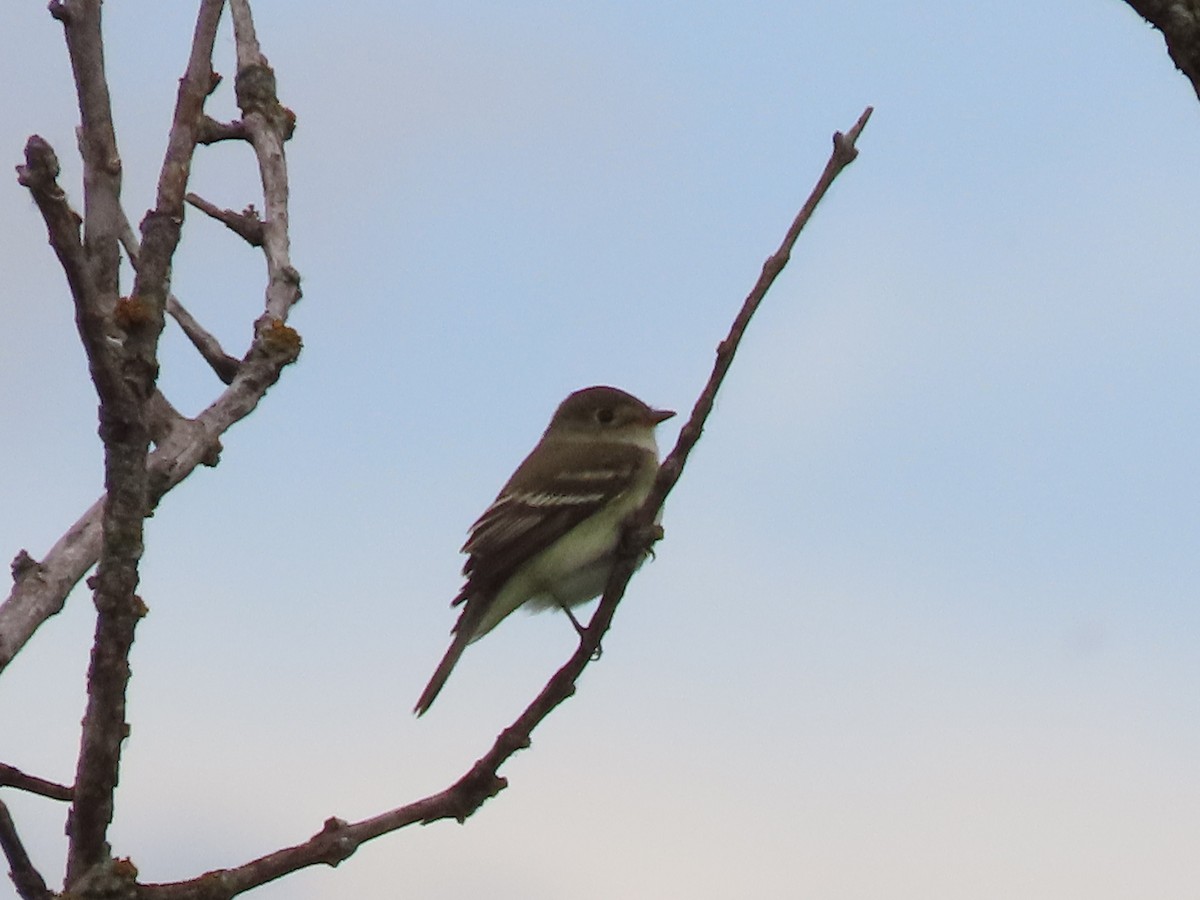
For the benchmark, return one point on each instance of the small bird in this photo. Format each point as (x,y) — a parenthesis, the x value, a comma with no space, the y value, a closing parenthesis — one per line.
(550,536)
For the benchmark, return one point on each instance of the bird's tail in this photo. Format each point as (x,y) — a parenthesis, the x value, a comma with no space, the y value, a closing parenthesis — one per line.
(462,637)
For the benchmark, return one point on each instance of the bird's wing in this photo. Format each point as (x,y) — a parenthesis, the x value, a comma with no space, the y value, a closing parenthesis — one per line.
(538,506)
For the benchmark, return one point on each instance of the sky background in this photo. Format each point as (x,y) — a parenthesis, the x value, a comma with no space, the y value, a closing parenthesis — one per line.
(924,623)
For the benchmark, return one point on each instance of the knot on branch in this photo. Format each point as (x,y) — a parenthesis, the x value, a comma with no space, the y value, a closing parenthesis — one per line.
(334,841)
(843,148)
(112,879)
(23,566)
(280,340)
(288,122)
(291,276)
(132,314)
(212,455)
(473,790)
(254,88)
(41,168)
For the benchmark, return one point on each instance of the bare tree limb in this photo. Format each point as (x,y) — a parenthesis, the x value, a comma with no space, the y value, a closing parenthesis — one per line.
(209,347)
(204,341)
(27,879)
(1179,23)
(11,776)
(40,175)
(212,131)
(246,224)
(844,153)
(42,589)
(338,839)
(124,371)
(41,586)
(101,161)
(268,124)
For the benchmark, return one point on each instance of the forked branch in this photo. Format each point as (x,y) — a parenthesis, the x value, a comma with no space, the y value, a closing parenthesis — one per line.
(42,585)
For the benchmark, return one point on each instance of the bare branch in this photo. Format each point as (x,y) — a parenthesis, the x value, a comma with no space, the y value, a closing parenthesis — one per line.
(212,131)
(120,335)
(11,776)
(210,348)
(40,588)
(98,145)
(40,176)
(221,362)
(42,594)
(1179,23)
(844,153)
(27,879)
(338,839)
(124,371)
(245,224)
(269,124)
(43,587)
(249,53)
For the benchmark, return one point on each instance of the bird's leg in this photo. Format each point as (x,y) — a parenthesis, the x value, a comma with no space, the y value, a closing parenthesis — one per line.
(579,629)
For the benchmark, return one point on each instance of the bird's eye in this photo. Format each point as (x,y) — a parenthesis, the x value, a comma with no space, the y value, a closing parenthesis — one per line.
(605,415)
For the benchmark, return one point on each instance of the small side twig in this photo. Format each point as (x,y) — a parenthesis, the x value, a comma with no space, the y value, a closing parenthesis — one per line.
(211,131)
(11,776)
(28,880)
(246,224)
(203,340)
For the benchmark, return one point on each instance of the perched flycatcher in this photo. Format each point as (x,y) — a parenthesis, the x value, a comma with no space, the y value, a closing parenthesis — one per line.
(550,536)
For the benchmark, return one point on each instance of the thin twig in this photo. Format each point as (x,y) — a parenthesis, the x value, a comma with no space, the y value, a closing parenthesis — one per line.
(11,776)
(27,879)
(204,341)
(338,839)
(246,224)
(224,365)
(844,153)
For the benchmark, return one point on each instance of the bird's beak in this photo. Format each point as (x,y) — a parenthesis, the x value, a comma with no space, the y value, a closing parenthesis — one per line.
(658,416)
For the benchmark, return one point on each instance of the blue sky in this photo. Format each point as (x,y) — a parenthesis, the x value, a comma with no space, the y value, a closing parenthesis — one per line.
(924,622)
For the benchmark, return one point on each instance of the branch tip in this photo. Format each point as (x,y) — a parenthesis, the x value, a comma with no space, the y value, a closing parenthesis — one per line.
(247,224)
